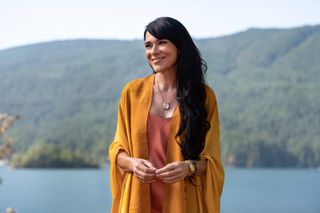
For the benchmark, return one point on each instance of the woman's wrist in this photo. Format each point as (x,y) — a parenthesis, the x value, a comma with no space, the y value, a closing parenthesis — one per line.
(124,161)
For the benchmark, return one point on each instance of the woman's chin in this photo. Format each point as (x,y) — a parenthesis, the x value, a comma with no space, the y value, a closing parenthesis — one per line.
(158,69)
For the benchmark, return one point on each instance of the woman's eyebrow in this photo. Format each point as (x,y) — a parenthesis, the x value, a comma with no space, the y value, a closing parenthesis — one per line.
(155,40)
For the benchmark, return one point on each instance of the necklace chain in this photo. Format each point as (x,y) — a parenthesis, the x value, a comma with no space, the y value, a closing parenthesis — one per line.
(165,105)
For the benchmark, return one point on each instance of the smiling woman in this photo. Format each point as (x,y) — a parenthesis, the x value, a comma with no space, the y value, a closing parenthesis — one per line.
(161,54)
(165,156)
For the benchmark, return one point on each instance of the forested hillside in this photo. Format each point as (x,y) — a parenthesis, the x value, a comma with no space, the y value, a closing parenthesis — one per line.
(266,80)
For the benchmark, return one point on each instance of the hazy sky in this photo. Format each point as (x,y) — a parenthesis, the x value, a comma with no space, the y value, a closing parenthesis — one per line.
(32,21)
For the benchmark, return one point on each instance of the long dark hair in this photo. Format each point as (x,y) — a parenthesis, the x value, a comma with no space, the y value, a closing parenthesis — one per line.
(191,93)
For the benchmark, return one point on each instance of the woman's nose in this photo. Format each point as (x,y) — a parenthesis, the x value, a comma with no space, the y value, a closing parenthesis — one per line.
(155,49)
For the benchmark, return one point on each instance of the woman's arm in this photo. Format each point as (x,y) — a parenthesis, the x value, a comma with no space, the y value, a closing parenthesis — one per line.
(201,167)
(141,168)
(124,161)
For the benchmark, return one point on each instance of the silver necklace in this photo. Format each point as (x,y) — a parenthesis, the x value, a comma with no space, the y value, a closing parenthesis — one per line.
(165,105)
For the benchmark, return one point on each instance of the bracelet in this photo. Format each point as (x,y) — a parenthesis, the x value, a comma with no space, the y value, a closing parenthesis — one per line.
(193,166)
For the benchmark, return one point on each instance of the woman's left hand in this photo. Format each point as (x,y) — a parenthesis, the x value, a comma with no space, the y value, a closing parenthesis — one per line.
(173,172)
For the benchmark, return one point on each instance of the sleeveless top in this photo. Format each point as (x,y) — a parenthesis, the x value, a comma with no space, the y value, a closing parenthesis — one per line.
(157,136)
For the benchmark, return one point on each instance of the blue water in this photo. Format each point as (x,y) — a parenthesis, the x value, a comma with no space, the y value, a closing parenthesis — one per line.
(271,191)
(87,191)
(55,191)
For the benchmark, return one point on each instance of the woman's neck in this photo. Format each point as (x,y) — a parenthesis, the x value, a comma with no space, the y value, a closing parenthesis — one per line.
(166,81)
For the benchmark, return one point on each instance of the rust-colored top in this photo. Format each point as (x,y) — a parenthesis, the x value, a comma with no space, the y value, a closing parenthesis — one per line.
(158,130)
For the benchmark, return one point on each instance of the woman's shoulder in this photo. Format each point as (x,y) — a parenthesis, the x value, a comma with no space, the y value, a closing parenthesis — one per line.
(209,91)
(211,97)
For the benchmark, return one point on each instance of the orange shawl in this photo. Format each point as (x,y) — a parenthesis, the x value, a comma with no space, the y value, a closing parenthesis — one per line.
(131,195)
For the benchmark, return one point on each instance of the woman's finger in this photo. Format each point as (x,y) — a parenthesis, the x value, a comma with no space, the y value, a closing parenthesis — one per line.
(143,168)
(149,165)
(173,179)
(167,168)
(173,172)
(140,173)
(144,173)
(168,173)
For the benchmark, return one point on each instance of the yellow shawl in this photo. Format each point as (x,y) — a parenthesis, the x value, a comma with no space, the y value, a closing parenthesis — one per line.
(131,195)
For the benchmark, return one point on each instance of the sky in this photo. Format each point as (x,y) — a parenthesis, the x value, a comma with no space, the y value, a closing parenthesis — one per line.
(33,21)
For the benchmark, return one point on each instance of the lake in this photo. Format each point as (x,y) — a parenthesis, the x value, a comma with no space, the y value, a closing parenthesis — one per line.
(87,191)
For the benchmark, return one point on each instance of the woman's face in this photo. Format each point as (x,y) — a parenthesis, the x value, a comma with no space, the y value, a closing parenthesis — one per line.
(162,54)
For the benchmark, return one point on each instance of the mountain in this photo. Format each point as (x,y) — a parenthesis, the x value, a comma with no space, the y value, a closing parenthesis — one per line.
(266,80)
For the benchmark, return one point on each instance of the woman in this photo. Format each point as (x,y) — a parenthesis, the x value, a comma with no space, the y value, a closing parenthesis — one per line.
(166,153)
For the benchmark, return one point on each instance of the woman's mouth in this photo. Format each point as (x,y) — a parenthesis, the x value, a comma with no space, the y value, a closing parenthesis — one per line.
(157,60)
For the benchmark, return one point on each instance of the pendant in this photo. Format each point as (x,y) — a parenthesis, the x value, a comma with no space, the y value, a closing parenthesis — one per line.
(165,106)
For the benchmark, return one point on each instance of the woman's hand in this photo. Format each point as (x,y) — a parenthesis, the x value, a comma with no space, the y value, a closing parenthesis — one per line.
(174,172)
(143,169)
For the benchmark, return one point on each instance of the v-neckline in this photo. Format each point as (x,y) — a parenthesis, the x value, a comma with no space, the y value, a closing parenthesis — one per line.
(151,93)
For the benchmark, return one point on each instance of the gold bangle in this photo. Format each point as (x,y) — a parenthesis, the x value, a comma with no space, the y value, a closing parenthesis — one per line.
(192,167)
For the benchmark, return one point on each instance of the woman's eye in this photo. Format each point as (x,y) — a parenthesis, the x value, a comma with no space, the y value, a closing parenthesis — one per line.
(147,46)
(162,42)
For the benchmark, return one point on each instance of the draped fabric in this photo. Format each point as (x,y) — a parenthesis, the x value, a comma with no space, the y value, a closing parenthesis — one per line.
(129,194)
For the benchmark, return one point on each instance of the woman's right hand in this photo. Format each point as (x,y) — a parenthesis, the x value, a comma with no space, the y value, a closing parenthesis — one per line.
(143,170)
